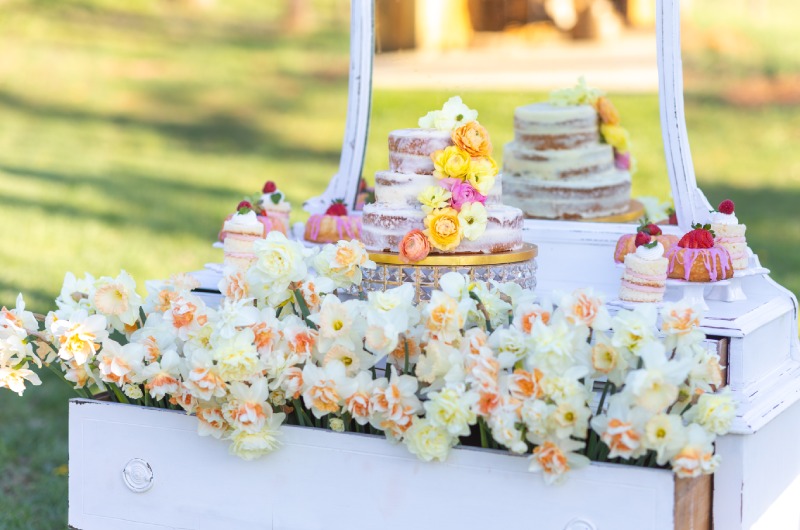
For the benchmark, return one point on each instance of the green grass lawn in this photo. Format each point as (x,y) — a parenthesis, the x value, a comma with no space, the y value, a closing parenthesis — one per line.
(127,135)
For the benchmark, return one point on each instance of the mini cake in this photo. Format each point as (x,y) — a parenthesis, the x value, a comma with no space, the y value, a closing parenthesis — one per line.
(730,234)
(645,276)
(570,158)
(334,225)
(274,205)
(442,186)
(697,259)
(241,230)
(627,243)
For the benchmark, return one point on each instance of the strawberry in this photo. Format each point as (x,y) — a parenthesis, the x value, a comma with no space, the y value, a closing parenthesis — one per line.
(244,205)
(726,207)
(673,218)
(653,229)
(269,187)
(701,237)
(337,208)
(642,238)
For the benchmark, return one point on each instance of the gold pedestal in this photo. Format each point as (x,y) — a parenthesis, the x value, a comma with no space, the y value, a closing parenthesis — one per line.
(518,266)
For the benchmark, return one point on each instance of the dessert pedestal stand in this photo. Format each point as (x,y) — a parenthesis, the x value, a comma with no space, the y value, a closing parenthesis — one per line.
(518,266)
(133,468)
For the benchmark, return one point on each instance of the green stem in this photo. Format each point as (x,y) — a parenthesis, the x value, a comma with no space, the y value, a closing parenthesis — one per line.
(121,398)
(405,364)
(484,438)
(606,387)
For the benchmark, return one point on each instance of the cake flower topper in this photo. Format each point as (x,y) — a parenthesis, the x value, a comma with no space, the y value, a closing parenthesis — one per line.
(466,171)
(610,129)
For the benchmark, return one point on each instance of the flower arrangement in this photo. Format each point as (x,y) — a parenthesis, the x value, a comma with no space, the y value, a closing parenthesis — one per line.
(610,129)
(480,363)
(466,171)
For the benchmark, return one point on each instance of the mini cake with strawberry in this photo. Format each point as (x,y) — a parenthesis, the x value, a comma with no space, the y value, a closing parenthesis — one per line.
(627,243)
(730,234)
(273,204)
(239,232)
(696,257)
(645,276)
(334,225)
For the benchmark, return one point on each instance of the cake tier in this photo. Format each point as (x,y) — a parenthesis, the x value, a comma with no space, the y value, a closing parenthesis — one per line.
(566,164)
(410,150)
(732,239)
(605,194)
(543,126)
(402,189)
(384,226)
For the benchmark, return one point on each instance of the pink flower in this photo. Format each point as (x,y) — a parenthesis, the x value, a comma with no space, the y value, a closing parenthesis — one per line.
(462,192)
(621,161)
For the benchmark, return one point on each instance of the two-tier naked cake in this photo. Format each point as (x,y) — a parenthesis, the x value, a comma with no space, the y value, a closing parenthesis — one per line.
(441,193)
(569,158)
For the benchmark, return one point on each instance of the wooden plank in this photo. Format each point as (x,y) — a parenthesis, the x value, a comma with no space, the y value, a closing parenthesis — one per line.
(693,500)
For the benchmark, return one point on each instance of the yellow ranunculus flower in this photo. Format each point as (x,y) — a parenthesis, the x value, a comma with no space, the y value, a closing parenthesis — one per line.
(482,174)
(443,229)
(617,137)
(451,162)
(433,198)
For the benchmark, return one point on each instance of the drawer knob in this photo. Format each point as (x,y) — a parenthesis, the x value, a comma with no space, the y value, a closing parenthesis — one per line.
(579,524)
(138,475)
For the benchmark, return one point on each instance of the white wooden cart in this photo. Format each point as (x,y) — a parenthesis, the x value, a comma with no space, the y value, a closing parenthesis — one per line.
(137,468)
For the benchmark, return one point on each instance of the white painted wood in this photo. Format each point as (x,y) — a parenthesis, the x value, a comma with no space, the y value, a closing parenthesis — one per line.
(344,184)
(325,480)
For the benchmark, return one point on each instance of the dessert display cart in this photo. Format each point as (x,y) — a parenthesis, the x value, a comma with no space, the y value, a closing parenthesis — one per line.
(137,468)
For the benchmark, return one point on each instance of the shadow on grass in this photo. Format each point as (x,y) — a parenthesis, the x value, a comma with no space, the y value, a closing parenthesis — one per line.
(772,217)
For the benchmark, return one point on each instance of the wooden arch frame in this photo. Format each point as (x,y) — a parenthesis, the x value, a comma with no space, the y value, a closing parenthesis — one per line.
(691,204)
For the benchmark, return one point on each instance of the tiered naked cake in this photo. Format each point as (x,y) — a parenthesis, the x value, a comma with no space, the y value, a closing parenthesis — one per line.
(569,158)
(426,166)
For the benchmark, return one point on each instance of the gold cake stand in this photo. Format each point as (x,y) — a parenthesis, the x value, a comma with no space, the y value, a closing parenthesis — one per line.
(518,266)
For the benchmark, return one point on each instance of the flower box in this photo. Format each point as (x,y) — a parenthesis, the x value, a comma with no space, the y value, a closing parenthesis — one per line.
(321,479)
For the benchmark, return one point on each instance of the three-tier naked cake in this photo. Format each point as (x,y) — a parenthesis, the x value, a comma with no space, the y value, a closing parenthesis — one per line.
(441,192)
(569,158)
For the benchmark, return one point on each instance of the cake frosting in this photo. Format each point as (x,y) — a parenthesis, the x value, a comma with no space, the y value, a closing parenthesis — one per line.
(698,258)
(645,276)
(442,162)
(274,205)
(322,228)
(569,158)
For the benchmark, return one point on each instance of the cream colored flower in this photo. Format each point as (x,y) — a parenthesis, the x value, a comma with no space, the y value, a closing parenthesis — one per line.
(655,386)
(621,428)
(554,460)
(442,316)
(116,298)
(666,435)
(14,378)
(428,441)
(247,408)
(357,404)
(236,358)
(120,364)
(251,445)
(473,220)
(634,329)
(505,432)
(454,113)
(132,391)
(394,403)
(608,361)
(434,197)
(211,422)
(584,306)
(535,414)
(326,389)
(697,456)
(439,362)
(715,412)
(451,409)
(79,337)
(279,263)
(482,174)
(342,263)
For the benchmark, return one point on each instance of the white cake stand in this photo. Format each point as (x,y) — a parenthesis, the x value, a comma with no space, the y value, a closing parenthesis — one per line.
(732,291)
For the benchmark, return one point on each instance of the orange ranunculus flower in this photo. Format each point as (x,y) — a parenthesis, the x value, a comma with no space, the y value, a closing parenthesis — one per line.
(443,229)
(607,111)
(414,247)
(474,139)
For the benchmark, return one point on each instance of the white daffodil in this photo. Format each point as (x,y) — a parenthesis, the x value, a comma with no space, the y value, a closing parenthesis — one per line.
(163,377)
(203,381)
(428,441)
(655,386)
(528,313)
(357,404)
(325,389)
(394,403)
(679,321)
(117,299)
(584,306)
(251,445)
(186,314)
(535,414)
(13,378)
(210,420)
(339,322)
(511,346)
(354,359)
(79,337)
(705,374)
(247,408)
(715,412)
(438,361)
(666,435)
(343,262)
(120,364)
(634,329)
(233,315)
(156,336)
(452,409)
(697,456)
(555,459)
(75,295)
(279,263)
(570,418)
(236,358)
(394,305)
(498,309)
(298,338)
(17,321)
(505,432)
(515,292)
(608,360)
(442,317)
(621,428)
(558,347)
(381,340)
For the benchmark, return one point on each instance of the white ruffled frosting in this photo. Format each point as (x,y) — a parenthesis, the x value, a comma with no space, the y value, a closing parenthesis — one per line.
(650,254)
(247,220)
(267,204)
(724,218)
